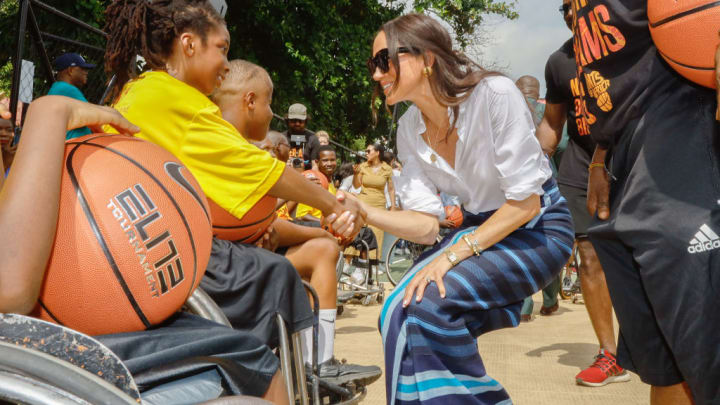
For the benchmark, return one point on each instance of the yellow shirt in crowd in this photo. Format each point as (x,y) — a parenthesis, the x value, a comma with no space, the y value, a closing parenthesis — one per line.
(231,171)
(303,209)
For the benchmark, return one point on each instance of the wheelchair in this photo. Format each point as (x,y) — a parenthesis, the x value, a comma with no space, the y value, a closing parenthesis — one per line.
(44,363)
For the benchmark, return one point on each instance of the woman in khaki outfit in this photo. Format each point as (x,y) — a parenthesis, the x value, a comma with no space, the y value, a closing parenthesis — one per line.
(372,177)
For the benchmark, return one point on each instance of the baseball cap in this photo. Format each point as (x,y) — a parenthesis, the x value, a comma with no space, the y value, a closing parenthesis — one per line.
(67,60)
(297,111)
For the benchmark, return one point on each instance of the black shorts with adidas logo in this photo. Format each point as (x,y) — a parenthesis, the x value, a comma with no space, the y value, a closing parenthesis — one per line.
(660,247)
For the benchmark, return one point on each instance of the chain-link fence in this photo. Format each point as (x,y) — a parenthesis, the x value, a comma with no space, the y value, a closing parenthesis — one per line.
(44,33)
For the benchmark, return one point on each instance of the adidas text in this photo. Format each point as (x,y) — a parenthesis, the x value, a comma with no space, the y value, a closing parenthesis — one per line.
(705,239)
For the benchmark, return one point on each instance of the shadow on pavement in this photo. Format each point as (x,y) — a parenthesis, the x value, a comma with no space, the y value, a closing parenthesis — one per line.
(346,330)
(578,355)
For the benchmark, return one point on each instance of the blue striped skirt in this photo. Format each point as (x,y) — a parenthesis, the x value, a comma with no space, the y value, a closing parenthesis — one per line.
(431,352)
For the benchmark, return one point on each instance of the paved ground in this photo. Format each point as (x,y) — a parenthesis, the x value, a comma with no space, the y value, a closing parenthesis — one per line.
(536,362)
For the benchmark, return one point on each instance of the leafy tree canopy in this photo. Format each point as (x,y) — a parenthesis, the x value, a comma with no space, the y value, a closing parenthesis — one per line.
(315,50)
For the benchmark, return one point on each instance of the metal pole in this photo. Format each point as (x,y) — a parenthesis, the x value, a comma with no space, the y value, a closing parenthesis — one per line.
(17,62)
(35,31)
(109,87)
(68,18)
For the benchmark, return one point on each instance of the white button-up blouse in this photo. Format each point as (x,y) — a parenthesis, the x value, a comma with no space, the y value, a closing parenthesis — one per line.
(497,156)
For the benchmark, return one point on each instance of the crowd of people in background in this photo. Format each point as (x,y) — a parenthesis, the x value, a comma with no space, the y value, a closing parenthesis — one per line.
(493,176)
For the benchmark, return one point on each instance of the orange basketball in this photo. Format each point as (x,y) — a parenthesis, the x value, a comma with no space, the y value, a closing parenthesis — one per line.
(454,213)
(310,174)
(685,32)
(133,237)
(250,227)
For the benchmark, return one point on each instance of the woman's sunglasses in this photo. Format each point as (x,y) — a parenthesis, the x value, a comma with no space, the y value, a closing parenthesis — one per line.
(564,9)
(381,60)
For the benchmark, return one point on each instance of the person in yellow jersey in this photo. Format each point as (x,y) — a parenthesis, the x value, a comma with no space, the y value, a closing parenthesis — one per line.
(312,251)
(326,163)
(187,61)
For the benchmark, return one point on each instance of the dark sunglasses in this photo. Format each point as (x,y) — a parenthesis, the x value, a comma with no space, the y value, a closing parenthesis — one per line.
(381,60)
(564,9)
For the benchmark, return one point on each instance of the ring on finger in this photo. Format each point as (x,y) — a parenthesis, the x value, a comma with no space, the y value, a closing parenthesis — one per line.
(428,279)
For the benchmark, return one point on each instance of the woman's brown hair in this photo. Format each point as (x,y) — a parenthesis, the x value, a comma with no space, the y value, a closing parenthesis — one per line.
(148,28)
(454,75)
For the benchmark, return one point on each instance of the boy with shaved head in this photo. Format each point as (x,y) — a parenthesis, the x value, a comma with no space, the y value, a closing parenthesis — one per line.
(244,99)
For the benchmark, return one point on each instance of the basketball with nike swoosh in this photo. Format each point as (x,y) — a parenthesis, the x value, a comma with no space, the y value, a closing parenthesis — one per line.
(133,237)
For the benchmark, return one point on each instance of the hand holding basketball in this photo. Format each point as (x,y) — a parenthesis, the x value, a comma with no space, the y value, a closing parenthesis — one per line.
(92,115)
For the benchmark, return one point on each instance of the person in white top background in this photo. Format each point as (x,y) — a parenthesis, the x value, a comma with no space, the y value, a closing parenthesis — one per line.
(468,133)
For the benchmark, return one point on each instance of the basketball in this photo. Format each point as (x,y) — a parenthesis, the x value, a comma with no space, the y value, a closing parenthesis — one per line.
(685,33)
(133,237)
(314,174)
(454,213)
(248,229)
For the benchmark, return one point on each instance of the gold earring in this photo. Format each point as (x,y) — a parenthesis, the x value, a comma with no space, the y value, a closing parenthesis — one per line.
(427,71)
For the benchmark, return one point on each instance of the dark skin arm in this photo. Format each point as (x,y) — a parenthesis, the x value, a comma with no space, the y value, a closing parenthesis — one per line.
(598,193)
(293,186)
(549,132)
(292,234)
(30,196)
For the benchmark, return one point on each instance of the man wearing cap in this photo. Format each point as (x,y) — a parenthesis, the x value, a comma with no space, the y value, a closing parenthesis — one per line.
(72,71)
(301,138)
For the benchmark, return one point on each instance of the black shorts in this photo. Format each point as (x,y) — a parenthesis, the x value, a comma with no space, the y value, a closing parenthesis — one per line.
(577,203)
(251,285)
(660,247)
(186,345)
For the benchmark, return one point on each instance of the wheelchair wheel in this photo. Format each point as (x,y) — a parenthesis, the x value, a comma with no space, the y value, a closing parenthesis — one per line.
(400,258)
(398,261)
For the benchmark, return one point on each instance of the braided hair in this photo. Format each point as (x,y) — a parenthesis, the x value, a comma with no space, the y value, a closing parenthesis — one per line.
(149,28)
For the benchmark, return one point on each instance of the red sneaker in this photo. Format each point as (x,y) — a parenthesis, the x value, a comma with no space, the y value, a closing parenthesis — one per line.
(603,371)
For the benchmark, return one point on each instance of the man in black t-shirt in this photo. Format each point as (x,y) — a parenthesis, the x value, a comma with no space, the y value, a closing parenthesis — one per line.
(303,142)
(657,201)
(562,93)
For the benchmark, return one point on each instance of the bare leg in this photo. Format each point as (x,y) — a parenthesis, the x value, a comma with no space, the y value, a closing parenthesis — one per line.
(316,261)
(678,394)
(596,296)
(276,393)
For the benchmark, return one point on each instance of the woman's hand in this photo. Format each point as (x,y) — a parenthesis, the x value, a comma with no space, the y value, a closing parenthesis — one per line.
(433,272)
(348,224)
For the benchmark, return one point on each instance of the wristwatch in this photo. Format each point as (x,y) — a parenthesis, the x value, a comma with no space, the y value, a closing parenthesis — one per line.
(451,256)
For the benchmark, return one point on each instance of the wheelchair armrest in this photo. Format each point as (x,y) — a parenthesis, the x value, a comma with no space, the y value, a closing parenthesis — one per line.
(202,305)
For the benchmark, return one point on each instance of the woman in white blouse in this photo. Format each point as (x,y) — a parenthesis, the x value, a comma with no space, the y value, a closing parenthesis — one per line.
(468,133)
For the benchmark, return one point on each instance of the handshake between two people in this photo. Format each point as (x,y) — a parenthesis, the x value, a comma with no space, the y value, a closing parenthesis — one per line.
(350,219)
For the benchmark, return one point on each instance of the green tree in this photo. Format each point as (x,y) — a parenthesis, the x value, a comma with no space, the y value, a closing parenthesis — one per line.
(465,16)
(315,50)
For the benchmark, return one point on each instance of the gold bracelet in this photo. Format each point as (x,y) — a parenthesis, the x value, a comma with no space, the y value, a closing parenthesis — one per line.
(452,257)
(472,245)
(594,165)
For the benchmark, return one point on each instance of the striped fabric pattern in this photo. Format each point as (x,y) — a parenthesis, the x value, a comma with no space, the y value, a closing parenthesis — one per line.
(431,352)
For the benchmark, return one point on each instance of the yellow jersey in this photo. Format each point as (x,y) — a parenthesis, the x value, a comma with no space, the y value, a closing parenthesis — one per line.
(176,116)
(303,209)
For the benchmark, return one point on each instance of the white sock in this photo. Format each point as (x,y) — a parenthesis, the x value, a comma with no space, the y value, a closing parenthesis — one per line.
(306,338)
(326,335)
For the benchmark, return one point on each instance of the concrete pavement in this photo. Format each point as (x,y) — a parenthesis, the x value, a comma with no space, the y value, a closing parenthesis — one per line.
(536,362)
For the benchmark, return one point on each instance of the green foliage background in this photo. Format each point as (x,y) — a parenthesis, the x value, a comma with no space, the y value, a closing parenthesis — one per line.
(315,50)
